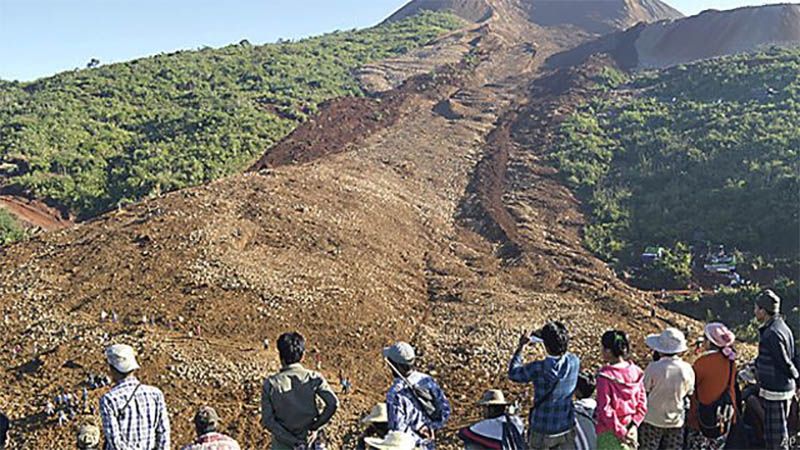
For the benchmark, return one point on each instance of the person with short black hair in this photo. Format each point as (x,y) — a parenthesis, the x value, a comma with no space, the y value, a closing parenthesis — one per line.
(621,397)
(585,405)
(289,400)
(554,378)
(206,425)
(778,369)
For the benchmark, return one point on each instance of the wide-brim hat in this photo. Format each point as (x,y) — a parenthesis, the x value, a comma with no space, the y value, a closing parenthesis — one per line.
(88,436)
(379,414)
(395,440)
(719,335)
(122,357)
(493,397)
(670,342)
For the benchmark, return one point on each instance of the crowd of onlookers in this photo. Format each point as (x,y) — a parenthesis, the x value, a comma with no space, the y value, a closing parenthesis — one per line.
(668,405)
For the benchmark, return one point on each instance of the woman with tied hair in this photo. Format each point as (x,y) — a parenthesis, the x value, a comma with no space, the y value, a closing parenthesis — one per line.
(621,397)
(715,371)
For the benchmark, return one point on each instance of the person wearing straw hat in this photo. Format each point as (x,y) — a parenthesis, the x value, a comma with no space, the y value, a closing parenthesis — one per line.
(207,425)
(488,433)
(134,415)
(415,403)
(668,381)
(715,373)
(377,423)
(394,440)
(778,368)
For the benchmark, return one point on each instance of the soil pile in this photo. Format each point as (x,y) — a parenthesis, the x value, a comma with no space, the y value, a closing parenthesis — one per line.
(707,35)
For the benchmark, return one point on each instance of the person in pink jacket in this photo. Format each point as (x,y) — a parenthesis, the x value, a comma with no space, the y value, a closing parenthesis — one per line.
(621,397)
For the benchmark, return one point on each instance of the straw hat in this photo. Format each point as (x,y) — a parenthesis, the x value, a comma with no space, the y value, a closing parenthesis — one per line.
(379,414)
(493,397)
(395,440)
(88,436)
(670,342)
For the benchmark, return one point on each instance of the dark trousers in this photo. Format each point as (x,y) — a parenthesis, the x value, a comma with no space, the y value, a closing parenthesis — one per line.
(776,429)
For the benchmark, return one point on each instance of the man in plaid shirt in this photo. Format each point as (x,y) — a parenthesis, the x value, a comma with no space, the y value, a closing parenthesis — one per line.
(134,415)
(552,419)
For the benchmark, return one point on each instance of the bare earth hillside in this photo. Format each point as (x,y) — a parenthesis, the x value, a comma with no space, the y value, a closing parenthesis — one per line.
(709,34)
(424,213)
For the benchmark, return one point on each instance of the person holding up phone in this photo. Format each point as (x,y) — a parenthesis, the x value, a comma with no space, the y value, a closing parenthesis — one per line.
(554,378)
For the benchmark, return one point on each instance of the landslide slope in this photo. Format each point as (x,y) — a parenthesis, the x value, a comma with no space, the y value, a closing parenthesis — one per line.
(709,34)
(426,213)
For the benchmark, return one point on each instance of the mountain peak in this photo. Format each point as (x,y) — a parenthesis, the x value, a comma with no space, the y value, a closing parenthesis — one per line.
(589,15)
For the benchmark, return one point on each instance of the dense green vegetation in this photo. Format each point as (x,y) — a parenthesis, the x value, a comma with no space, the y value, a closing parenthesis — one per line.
(10,230)
(710,149)
(92,139)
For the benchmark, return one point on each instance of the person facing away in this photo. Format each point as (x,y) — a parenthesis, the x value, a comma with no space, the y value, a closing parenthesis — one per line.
(621,397)
(777,368)
(404,401)
(715,372)
(206,425)
(488,433)
(554,378)
(668,381)
(134,415)
(377,425)
(585,405)
(289,398)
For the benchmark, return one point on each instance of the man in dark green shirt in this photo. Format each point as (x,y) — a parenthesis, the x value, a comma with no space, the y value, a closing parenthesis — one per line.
(289,408)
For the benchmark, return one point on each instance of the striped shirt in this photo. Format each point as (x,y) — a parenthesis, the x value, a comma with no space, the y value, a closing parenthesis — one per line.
(141,425)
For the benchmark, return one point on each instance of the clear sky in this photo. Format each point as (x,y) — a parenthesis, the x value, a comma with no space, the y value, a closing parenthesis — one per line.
(42,37)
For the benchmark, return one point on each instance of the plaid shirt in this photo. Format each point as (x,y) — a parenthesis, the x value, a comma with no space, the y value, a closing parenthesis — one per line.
(405,413)
(142,425)
(213,441)
(557,414)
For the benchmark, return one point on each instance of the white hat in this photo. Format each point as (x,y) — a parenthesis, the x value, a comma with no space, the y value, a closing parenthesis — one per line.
(379,414)
(122,357)
(493,397)
(670,342)
(400,353)
(395,440)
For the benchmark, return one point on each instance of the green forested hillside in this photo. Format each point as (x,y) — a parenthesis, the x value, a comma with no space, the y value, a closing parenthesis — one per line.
(90,139)
(710,149)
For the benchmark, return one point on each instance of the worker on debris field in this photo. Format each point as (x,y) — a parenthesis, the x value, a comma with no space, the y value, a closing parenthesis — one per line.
(377,422)
(585,405)
(289,400)
(778,369)
(621,397)
(206,425)
(554,378)
(416,404)
(87,436)
(489,433)
(669,381)
(134,415)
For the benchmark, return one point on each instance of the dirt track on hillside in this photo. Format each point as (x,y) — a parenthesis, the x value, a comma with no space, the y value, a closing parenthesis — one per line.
(401,228)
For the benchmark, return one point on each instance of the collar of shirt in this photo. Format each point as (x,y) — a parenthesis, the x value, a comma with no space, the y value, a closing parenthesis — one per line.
(125,382)
(291,367)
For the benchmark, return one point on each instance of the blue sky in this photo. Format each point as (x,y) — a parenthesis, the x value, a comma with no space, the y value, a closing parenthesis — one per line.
(42,37)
